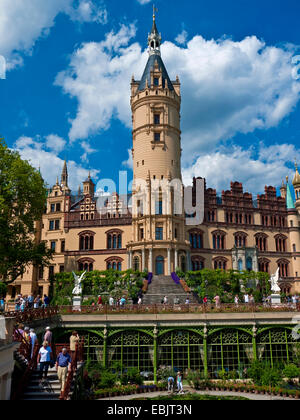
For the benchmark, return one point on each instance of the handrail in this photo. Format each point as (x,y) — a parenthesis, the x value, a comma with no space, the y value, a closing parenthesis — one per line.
(32,365)
(29,315)
(177,308)
(66,392)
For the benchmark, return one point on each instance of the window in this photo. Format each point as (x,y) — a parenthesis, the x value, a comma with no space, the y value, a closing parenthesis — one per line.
(114,263)
(261,242)
(156,81)
(220,263)
(141,234)
(219,240)
(51,225)
(51,271)
(114,240)
(159,233)
(61,268)
(86,241)
(280,242)
(57,224)
(159,208)
(58,207)
(52,209)
(156,119)
(240,239)
(196,240)
(197,264)
(53,246)
(157,137)
(86,265)
(63,245)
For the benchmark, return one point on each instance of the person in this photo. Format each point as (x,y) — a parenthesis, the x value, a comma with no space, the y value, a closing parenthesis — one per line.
(2,304)
(179,383)
(187,301)
(100,301)
(122,301)
(46,301)
(246,298)
(74,340)
(37,301)
(217,301)
(30,301)
(33,339)
(22,304)
(171,384)
(48,336)
(165,300)
(63,364)
(140,301)
(236,300)
(44,359)
(111,301)
(251,299)
(17,303)
(205,300)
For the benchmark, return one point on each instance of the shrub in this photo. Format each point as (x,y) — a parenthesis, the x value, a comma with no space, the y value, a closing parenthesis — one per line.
(291,371)
(132,376)
(3,289)
(107,379)
(255,372)
(271,377)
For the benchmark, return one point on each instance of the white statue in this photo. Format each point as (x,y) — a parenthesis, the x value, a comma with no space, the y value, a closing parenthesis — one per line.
(274,282)
(77,291)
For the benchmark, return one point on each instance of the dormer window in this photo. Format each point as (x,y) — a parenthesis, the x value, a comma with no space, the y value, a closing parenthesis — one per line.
(157,137)
(156,81)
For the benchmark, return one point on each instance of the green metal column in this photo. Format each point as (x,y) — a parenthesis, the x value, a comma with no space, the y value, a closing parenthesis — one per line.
(238,350)
(205,356)
(105,348)
(254,343)
(271,354)
(287,347)
(205,352)
(155,355)
(189,352)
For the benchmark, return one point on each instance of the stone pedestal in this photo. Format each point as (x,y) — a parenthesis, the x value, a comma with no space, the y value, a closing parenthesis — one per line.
(275,299)
(77,301)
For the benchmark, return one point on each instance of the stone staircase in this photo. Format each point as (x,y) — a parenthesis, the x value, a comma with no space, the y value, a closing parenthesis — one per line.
(165,286)
(48,390)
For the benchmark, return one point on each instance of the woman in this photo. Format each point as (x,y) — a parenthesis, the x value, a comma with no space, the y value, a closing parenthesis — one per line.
(179,383)
(44,359)
(74,340)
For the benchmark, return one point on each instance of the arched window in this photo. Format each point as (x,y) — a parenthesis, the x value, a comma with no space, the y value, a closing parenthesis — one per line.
(196,239)
(264,265)
(85,264)
(86,240)
(249,264)
(220,263)
(114,239)
(261,241)
(218,239)
(136,264)
(283,266)
(280,242)
(240,239)
(114,263)
(197,263)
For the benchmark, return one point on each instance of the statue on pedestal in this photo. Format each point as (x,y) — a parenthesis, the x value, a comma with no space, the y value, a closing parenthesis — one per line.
(77,291)
(274,283)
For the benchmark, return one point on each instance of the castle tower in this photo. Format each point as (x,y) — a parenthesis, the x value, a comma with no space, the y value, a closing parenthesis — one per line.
(158,233)
(293,225)
(296,184)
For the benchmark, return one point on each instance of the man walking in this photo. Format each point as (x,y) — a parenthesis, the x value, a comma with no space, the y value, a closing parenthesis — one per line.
(48,336)
(63,364)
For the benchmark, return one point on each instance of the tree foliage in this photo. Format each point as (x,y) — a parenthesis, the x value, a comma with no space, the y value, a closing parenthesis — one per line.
(227,283)
(22,202)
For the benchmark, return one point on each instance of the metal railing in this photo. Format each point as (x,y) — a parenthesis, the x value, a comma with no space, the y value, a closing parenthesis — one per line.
(29,315)
(178,308)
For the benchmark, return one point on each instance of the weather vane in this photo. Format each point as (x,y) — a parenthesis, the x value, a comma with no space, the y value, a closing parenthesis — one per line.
(155,10)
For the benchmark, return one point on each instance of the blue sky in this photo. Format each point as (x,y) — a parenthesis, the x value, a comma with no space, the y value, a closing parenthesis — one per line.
(69,66)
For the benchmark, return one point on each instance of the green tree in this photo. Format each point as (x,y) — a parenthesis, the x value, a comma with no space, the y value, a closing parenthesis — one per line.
(22,202)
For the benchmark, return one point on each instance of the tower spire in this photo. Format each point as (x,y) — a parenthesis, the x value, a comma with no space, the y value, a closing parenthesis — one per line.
(154,38)
(64,175)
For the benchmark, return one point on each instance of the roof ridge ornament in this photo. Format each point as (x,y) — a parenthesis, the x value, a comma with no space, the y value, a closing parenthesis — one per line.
(154,38)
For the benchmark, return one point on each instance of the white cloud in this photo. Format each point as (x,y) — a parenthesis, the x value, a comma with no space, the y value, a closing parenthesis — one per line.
(269,167)
(55,143)
(129,162)
(99,78)
(182,37)
(22,23)
(143,1)
(87,151)
(228,87)
(35,150)
(88,11)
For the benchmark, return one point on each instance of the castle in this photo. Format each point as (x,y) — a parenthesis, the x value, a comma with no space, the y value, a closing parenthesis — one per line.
(238,232)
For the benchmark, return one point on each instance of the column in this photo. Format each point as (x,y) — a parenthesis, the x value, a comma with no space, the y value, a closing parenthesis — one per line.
(155,355)
(176,260)
(105,348)
(130,260)
(143,260)
(205,352)
(189,261)
(151,260)
(169,261)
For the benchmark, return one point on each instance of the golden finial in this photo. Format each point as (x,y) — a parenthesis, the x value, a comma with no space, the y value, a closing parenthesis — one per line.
(155,10)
